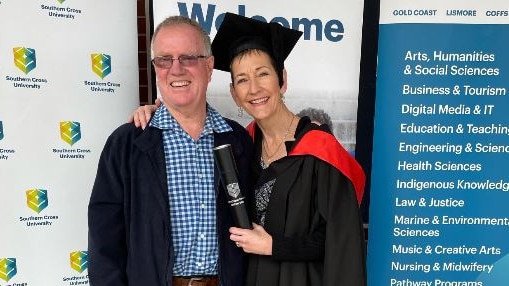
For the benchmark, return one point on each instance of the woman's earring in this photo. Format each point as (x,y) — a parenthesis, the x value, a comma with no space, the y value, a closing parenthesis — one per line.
(283,98)
(240,112)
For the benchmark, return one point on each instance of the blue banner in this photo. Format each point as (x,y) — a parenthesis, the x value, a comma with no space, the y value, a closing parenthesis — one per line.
(438,213)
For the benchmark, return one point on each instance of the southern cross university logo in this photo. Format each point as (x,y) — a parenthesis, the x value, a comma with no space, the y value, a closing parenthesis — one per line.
(70,131)
(1,131)
(7,268)
(79,260)
(101,64)
(24,59)
(37,199)
(60,1)
(233,190)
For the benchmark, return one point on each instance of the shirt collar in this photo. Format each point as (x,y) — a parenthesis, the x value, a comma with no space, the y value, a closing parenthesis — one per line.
(214,122)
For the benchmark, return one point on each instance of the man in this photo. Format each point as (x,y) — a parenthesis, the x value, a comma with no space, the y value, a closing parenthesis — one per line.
(158,214)
(317,116)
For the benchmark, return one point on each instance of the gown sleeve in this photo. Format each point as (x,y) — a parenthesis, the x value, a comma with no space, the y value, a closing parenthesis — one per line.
(344,260)
(308,248)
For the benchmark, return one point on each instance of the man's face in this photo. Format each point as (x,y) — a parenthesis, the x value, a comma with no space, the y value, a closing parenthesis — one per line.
(182,86)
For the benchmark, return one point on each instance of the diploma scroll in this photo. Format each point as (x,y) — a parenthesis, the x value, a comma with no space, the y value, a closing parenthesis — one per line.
(227,168)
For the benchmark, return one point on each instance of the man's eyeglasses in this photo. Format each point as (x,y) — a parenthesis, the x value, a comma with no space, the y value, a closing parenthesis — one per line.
(165,62)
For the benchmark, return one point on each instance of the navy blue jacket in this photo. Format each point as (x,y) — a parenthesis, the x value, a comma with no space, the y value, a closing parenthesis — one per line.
(128,214)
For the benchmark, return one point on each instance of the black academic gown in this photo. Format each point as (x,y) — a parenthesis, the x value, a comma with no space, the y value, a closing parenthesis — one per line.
(314,218)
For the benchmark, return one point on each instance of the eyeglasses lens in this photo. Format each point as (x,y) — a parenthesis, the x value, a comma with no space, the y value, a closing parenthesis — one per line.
(166,61)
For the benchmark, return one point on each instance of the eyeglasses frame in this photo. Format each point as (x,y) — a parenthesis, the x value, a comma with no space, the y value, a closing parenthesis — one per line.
(179,58)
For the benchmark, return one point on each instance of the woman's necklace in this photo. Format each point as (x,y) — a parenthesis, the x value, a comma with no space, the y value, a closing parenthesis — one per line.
(266,148)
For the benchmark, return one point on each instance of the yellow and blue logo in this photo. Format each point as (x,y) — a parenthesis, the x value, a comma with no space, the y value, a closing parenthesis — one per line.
(60,1)
(70,131)
(101,64)
(37,199)
(1,130)
(79,260)
(7,268)
(24,59)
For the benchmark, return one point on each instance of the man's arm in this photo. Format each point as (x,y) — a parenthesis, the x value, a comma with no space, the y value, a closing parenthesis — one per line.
(107,246)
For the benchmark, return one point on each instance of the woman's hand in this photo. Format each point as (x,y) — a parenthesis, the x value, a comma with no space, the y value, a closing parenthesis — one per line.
(141,116)
(255,240)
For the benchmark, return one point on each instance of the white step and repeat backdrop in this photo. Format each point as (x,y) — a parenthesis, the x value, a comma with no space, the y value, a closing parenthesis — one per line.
(68,77)
(323,69)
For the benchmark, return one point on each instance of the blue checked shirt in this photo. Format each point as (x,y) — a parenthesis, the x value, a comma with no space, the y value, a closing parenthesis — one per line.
(190,177)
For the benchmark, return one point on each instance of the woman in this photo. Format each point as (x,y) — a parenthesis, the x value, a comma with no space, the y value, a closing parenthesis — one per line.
(307,228)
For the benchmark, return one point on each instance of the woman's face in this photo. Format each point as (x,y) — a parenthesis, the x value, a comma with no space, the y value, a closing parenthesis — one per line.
(255,84)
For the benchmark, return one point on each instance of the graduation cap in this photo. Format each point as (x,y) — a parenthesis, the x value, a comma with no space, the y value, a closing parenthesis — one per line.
(238,33)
